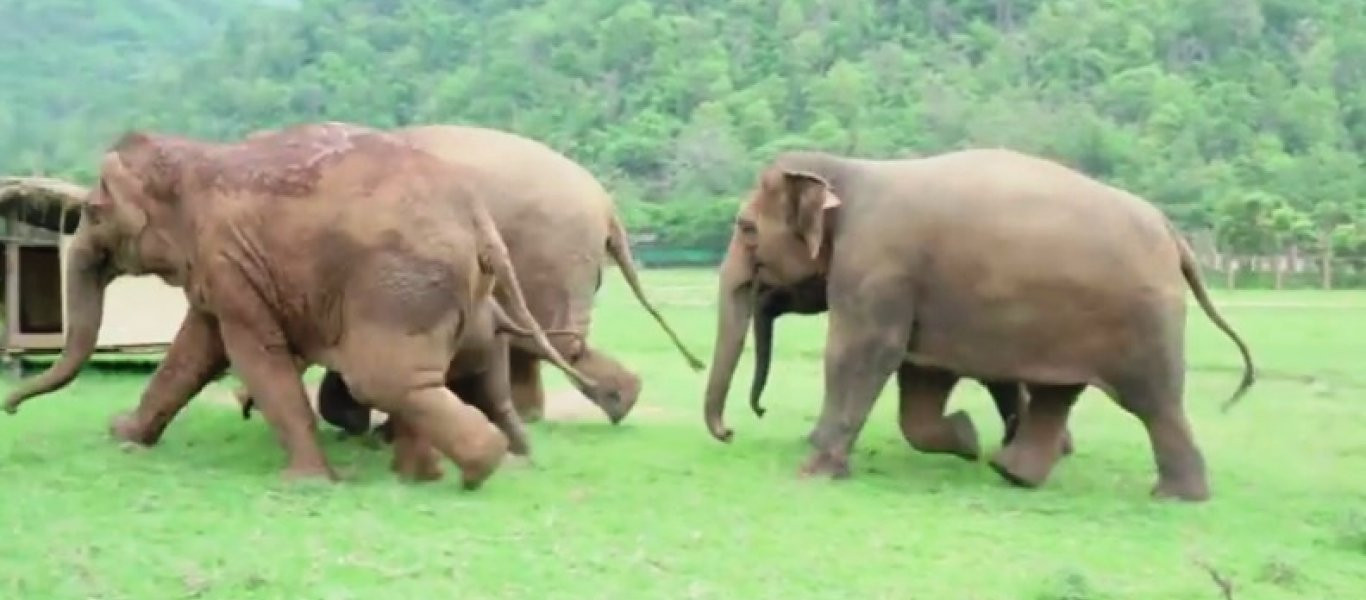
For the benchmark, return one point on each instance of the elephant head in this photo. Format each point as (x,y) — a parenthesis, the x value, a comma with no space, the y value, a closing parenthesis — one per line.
(775,264)
(113,238)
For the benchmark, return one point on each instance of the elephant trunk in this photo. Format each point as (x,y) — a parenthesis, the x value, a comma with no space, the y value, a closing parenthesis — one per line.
(763,354)
(87,276)
(735,305)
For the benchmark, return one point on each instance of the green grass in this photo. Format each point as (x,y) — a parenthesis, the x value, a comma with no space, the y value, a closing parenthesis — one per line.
(655,508)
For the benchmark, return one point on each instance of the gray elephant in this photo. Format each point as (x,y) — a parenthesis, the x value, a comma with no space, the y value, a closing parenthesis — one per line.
(808,297)
(560,226)
(982,263)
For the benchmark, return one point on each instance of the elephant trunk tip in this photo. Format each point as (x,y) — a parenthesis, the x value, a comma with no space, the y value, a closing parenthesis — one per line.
(719,431)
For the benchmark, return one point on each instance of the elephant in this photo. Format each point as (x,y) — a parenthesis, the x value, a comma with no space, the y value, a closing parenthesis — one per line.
(316,244)
(986,263)
(560,225)
(808,297)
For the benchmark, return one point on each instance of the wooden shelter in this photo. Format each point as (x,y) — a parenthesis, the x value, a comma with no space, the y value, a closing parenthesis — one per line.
(38,216)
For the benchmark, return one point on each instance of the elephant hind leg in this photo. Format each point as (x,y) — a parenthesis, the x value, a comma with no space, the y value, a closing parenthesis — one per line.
(1158,404)
(1011,399)
(528,392)
(414,457)
(489,392)
(1031,455)
(924,393)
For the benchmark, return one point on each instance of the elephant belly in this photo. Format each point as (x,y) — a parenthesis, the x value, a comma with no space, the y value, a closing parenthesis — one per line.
(1040,337)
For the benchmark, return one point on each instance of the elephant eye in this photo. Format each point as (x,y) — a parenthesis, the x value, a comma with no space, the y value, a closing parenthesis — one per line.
(746,226)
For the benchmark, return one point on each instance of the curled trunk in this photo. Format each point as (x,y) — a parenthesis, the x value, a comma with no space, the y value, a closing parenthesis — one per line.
(735,306)
(86,278)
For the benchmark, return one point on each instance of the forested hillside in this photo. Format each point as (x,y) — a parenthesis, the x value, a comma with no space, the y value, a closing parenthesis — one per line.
(1247,117)
(69,70)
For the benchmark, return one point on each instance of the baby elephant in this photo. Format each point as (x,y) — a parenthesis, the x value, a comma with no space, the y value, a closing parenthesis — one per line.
(477,375)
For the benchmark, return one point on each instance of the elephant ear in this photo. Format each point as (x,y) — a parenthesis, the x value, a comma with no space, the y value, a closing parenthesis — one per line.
(120,195)
(812,206)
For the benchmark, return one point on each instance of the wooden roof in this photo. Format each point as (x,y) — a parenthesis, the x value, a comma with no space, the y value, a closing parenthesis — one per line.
(45,202)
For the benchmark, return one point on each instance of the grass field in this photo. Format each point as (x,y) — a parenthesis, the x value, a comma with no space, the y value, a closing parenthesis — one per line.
(654,508)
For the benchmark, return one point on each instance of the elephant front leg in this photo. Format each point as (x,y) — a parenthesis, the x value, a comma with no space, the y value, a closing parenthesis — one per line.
(924,394)
(860,355)
(415,459)
(260,355)
(1029,458)
(195,357)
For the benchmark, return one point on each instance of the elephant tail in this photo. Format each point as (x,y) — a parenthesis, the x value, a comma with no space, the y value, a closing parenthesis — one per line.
(502,323)
(620,249)
(494,260)
(1191,271)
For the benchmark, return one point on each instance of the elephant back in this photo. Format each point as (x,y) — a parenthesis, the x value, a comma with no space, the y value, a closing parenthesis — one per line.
(553,214)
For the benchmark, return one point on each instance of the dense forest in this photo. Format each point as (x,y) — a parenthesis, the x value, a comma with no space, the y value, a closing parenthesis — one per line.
(1243,119)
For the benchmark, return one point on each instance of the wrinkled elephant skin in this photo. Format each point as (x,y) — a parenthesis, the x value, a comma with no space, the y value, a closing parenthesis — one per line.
(314,244)
(561,228)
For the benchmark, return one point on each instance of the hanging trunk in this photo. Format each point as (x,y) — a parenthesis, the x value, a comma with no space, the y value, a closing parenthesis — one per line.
(735,306)
(86,278)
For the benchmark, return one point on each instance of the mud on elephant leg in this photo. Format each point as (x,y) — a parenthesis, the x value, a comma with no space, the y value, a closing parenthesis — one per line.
(195,357)
(924,393)
(1011,400)
(1029,458)
(528,394)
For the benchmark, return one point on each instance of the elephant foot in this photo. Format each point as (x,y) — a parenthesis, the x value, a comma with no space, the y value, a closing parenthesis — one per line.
(479,461)
(1021,467)
(130,429)
(518,446)
(417,465)
(825,464)
(473,475)
(611,402)
(1185,489)
(955,434)
(1067,447)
